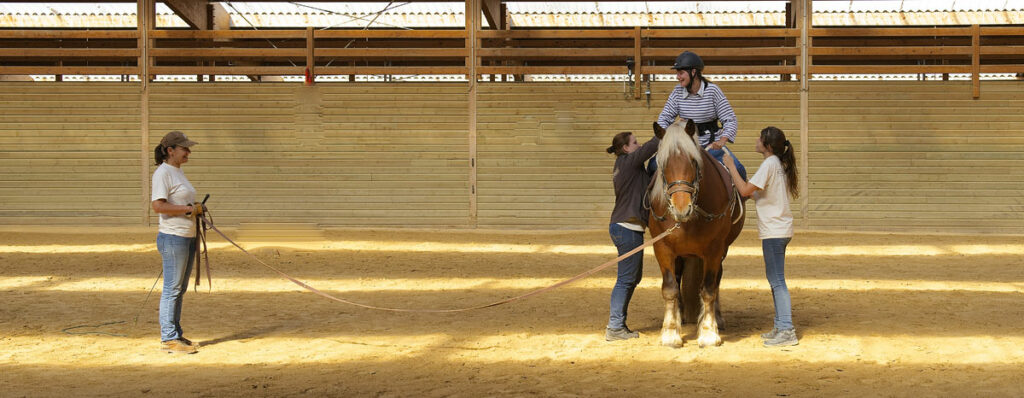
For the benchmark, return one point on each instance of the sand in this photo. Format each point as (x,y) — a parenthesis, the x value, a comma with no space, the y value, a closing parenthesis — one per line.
(877,315)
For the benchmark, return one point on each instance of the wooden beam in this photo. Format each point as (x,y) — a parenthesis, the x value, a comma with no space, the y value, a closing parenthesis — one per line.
(472,60)
(146,11)
(310,56)
(726,52)
(896,51)
(227,52)
(557,34)
(719,33)
(227,34)
(492,13)
(555,52)
(804,22)
(637,60)
(392,52)
(976,61)
(68,70)
(888,32)
(390,34)
(194,12)
(69,34)
(392,70)
(69,52)
(227,70)
(728,69)
(881,69)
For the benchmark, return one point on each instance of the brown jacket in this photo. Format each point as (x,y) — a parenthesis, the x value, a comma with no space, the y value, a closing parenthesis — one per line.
(630,179)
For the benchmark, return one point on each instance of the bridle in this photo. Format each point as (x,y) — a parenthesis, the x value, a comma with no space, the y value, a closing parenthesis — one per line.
(693,188)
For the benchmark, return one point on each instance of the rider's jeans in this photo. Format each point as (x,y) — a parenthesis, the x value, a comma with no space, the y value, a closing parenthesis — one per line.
(177,252)
(630,272)
(717,154)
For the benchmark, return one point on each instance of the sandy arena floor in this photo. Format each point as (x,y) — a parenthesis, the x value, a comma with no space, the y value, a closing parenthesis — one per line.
(878,315)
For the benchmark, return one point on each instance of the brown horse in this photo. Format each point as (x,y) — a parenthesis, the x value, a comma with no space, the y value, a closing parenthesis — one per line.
(695,193)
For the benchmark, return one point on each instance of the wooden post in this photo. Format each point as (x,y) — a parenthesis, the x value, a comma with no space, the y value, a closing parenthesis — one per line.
(472,25)
(310,60)
(804,16)
(144,23)
(976,60)
(637,61)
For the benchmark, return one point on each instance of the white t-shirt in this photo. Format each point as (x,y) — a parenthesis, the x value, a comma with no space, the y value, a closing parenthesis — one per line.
(169,183)
(774,220)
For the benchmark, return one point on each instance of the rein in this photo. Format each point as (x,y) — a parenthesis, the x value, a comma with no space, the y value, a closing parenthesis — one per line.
(209,225)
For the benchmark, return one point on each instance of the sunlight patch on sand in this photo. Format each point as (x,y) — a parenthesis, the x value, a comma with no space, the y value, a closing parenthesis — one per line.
(17,282)
(607,250)
(559,347)
(369,285)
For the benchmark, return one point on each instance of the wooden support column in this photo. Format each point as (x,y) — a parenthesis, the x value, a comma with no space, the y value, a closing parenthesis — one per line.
(804,15)
(310,60)
(472,25)
(637,61)
(145,20)
(976,60)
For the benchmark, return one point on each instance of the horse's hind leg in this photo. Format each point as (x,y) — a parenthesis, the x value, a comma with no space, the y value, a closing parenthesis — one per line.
(707,329)
(671,328)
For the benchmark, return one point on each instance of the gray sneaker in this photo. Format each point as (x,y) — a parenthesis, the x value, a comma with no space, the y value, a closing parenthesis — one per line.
(783,338)
(769,335)
(620,334)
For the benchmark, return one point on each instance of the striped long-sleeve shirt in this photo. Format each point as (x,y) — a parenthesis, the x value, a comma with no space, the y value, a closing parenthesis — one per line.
(708,104)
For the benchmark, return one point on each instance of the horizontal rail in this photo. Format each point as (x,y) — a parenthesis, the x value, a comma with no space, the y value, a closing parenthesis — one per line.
(390,52)
(68,52)
(392,70)
(69,34)
(227,70)
(69,70)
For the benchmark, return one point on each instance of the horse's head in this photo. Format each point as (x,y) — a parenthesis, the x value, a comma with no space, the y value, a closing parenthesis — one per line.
(678,180)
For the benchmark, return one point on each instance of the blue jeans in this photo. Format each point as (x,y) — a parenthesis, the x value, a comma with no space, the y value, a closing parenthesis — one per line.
(177,253)
(717,154)
(775,270)
(630,272)
(652,165)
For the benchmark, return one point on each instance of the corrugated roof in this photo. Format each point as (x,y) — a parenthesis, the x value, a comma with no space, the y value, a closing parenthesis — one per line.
(550,14)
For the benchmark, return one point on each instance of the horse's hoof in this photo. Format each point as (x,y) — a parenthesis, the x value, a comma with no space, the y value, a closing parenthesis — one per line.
(671,340)
(709,341)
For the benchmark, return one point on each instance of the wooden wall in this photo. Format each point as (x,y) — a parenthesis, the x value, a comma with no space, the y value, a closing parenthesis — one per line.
(69,154)
(890,156)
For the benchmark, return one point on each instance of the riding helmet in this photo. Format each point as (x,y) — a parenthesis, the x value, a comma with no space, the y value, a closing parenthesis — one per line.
(688,60)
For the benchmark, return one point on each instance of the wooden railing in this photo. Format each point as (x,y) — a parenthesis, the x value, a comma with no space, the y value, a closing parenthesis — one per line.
(968,49)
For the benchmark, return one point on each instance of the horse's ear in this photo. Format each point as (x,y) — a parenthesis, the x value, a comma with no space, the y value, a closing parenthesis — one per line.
(690,128)
(658,131)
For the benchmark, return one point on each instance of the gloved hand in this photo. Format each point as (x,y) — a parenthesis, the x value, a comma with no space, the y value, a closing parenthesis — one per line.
(198,209)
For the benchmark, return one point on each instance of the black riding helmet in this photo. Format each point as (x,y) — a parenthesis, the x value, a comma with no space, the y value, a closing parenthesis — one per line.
(688,60)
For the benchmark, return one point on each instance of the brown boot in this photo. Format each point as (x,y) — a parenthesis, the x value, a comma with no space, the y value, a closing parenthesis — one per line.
(177,347)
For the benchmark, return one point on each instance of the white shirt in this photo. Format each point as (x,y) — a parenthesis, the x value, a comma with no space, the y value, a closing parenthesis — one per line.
(774,220)
(169,183)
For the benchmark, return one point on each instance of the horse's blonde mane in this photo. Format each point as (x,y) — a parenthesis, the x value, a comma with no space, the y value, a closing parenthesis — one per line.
(675,141)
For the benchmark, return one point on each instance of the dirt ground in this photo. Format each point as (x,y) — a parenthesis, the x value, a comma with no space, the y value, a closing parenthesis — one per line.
(877,315)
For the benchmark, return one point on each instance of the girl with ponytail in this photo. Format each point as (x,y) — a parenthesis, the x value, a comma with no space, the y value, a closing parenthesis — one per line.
(772,186)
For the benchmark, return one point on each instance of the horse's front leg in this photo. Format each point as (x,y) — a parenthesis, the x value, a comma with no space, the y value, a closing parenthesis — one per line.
(707,325)
(671,328)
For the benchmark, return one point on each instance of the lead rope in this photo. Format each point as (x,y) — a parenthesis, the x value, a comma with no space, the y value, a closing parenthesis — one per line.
(496,303)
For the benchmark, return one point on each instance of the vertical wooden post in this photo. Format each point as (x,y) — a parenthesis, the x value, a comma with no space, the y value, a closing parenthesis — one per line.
(637,61)
(310,60)
(472,25)
(976,60)
(145,8)
(805,22)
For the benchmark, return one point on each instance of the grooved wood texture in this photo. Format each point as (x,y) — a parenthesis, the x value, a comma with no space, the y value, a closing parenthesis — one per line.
(896,156)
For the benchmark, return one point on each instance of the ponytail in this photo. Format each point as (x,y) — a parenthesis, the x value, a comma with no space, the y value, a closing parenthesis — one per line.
(619,142)
(773,138)
(160,154)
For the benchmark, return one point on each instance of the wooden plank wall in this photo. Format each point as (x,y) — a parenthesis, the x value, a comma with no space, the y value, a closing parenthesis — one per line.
(542,145)
(351,155)
(889,156)
(69,153)
(917,156)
